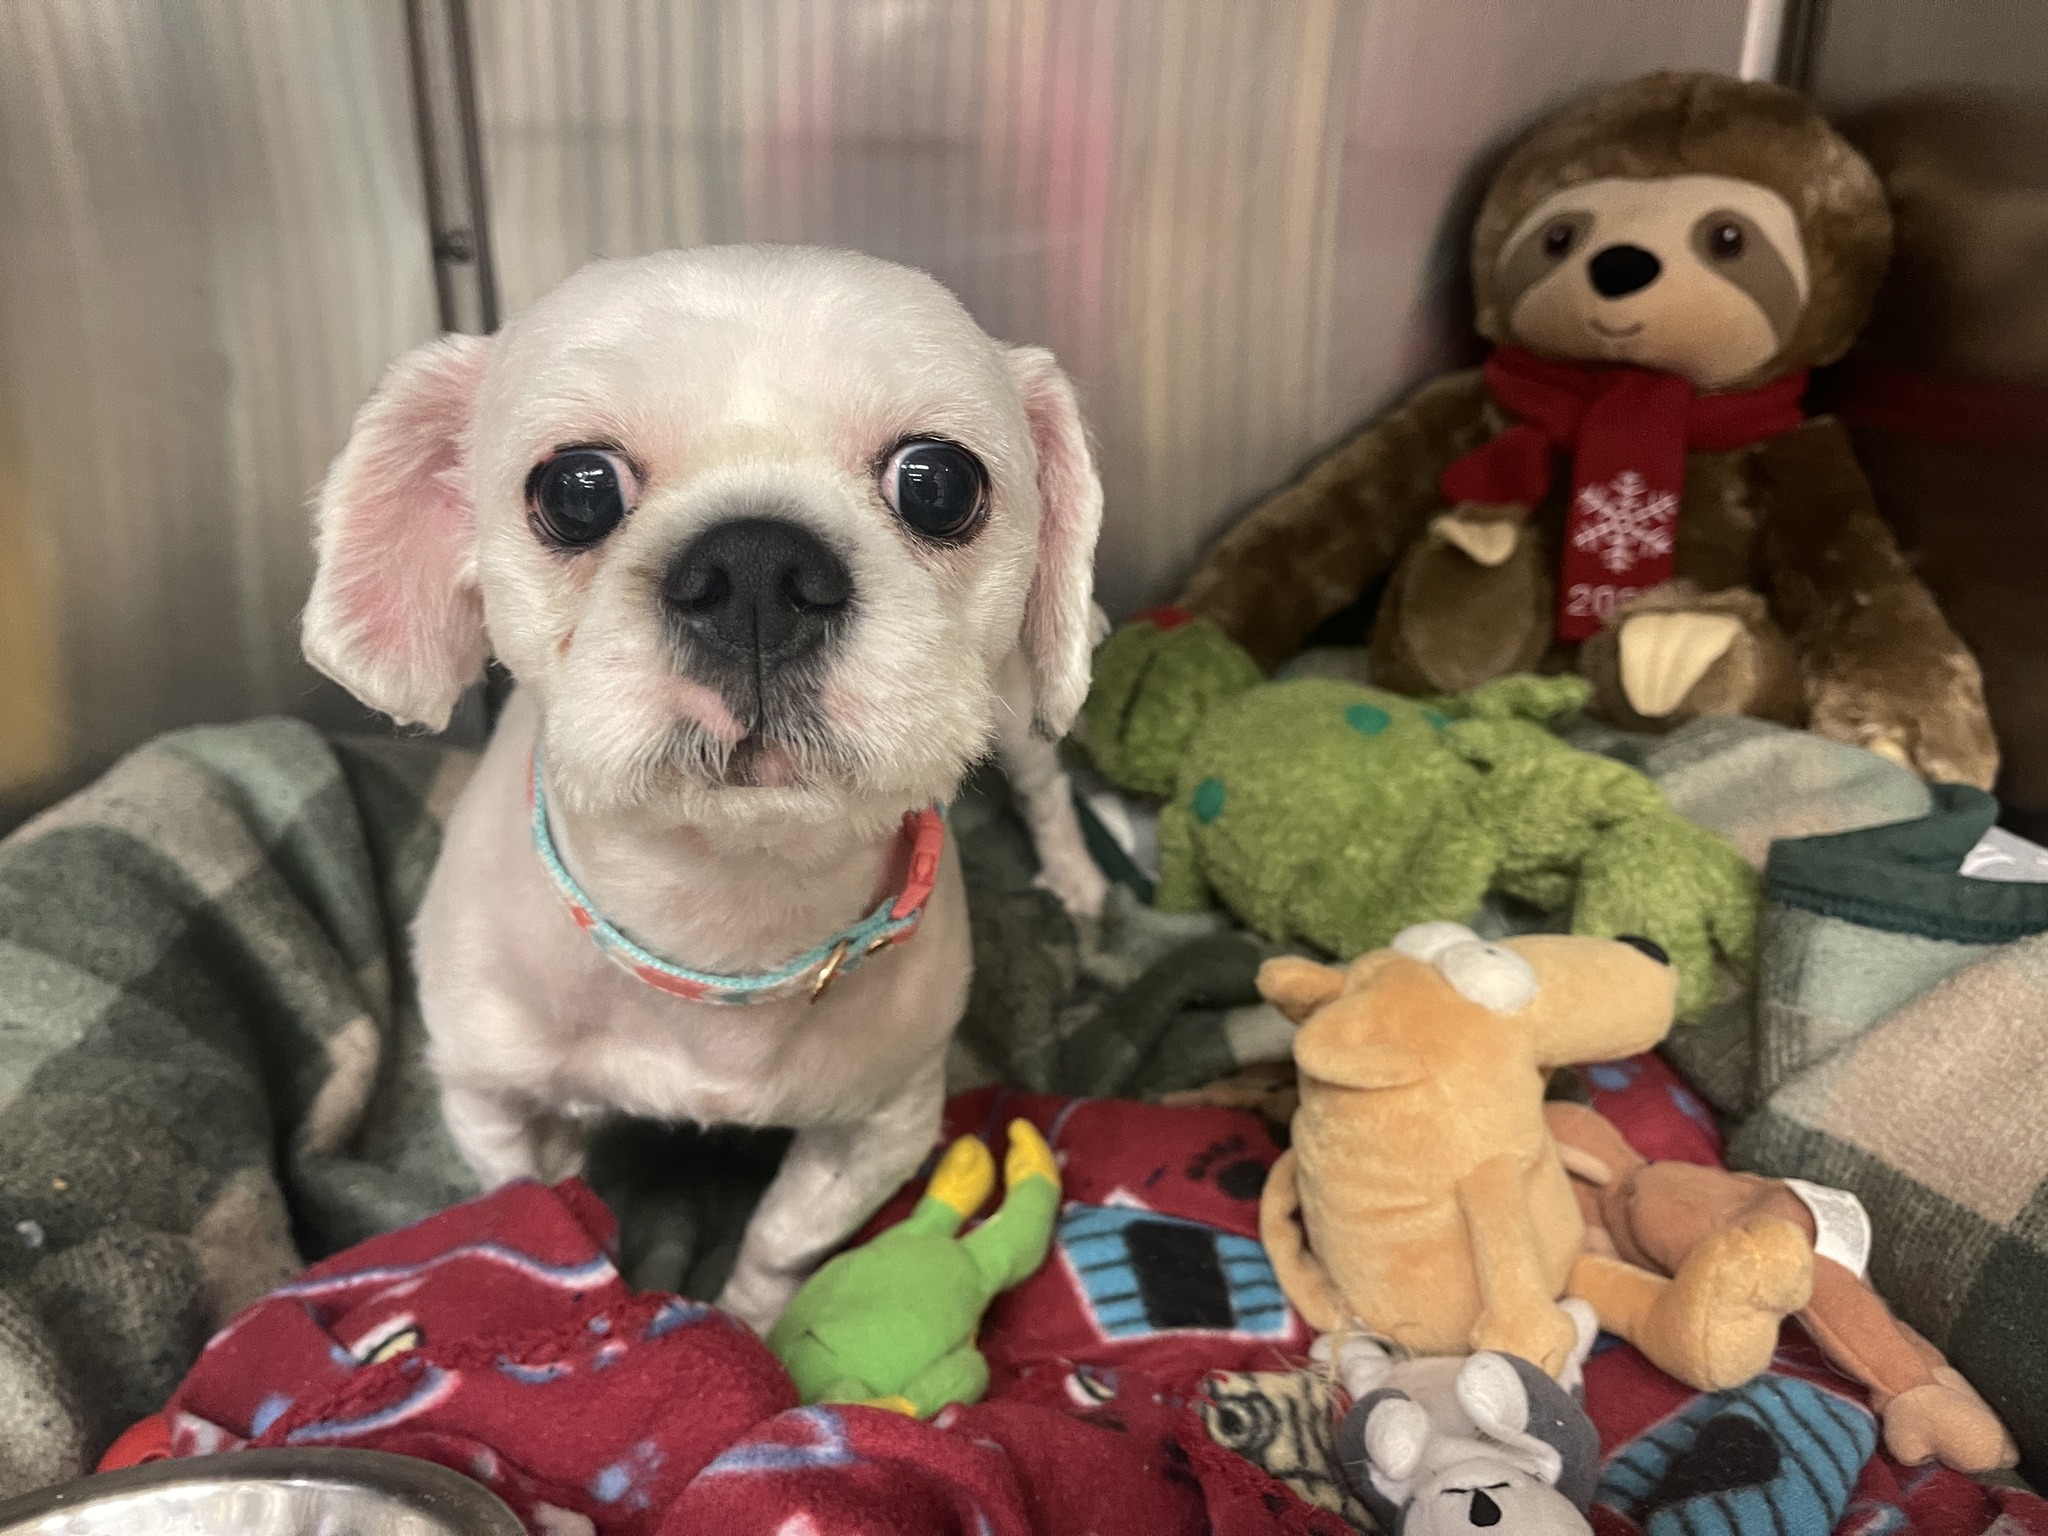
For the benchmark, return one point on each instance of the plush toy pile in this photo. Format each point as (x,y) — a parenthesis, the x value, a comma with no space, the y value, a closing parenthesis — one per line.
(1629,487)
(1148,1376)
(1626,511)
(1428,1294)
(1423,1200)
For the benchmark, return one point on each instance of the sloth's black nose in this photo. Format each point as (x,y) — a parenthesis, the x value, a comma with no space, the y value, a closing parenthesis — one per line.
(1622,269)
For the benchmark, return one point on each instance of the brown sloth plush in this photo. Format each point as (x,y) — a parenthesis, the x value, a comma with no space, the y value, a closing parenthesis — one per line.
(1630,485)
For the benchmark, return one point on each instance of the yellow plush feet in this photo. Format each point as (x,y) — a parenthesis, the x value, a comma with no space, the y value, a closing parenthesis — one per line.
(965,1176)
(1028,1157)
(902,1405)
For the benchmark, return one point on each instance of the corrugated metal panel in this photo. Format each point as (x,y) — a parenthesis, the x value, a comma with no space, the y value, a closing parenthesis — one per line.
(1239,224)
(213,244)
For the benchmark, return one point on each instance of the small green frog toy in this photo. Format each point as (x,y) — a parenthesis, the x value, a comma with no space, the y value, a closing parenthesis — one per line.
(891,1323)
(1334,815)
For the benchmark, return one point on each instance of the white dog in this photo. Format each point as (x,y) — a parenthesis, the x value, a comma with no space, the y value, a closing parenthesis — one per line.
(775,542)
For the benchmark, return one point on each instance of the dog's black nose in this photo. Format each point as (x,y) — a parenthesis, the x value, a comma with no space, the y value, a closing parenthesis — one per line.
(1484,1511)
(757,589)
(1622,269)
(1649,947)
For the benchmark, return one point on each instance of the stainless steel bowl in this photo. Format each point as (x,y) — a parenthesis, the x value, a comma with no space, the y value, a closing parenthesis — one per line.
(266,1493)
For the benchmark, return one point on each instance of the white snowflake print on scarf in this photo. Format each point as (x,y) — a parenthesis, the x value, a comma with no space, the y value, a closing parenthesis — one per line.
(1623,521)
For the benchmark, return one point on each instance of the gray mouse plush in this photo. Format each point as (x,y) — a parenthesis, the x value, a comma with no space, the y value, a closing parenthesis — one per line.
(1441,1444)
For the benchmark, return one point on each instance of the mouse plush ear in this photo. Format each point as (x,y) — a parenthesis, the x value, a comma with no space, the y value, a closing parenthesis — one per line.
(396,616)
(1059,613)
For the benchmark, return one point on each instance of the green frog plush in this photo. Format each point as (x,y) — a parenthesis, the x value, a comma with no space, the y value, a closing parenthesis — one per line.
(1333,815)
(891,1323)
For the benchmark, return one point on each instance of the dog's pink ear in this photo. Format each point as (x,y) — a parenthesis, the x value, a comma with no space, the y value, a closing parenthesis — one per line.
(1058,615)
(396,616)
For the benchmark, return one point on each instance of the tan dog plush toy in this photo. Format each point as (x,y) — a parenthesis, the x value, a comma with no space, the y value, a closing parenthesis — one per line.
(1423,1200)
(1630,486)
(1656,1215)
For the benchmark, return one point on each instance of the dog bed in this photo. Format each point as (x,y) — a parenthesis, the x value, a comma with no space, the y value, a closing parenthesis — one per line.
(209,1056)
(1147,1377)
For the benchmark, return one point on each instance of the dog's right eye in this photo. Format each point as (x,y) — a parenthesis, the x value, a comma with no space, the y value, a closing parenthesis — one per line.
(578,496)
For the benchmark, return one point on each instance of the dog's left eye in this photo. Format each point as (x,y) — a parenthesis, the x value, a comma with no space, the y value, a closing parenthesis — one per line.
(579,496)
(939,489)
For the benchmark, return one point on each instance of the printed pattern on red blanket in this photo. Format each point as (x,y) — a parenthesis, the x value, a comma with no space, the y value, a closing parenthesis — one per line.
(1788,1453)
(996,1469)
(497,1339)
(1156,1265)
(1661,1117)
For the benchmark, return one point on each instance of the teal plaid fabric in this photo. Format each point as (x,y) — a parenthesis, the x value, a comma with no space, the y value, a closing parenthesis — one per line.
(210,1058)
(1902,1044)
(206,1039)
(1865,921)
(1758,785)
(1934,1116)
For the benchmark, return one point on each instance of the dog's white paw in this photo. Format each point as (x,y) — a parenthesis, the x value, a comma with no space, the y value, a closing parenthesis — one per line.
(1081,887)
(757,1297)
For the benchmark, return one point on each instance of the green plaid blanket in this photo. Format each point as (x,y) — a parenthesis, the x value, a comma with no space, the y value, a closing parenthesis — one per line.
(1757,784)
(210,1058)
(207,1058)
(210,1066)
(1908,1061)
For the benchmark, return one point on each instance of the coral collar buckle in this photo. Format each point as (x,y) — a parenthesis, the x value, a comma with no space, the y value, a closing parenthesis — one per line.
(893,921)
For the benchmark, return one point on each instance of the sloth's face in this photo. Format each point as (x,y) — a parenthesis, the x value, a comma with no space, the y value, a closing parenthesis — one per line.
(1702,276)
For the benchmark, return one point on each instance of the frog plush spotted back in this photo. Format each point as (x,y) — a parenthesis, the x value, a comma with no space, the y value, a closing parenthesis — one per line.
(1333,815)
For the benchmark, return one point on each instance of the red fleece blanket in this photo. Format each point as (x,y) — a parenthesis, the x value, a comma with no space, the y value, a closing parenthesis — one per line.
(498,1339)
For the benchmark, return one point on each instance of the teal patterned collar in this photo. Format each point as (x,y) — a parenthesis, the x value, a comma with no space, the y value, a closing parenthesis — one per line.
(892,922)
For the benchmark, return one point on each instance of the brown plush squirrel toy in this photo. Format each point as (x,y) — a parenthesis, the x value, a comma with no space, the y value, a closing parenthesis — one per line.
(1630,486)
(1655,1215)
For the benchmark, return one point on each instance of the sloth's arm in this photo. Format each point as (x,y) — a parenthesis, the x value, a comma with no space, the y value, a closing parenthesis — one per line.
(1310,550)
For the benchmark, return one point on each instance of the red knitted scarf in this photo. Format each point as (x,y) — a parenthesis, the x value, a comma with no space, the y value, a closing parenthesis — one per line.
(1628,431)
